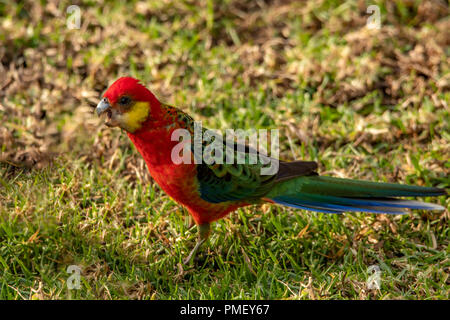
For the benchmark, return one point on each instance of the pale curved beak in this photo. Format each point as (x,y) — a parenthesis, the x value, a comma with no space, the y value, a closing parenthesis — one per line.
(102,107)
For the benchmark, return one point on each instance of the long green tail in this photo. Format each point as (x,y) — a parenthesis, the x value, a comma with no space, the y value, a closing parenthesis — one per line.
(336,195)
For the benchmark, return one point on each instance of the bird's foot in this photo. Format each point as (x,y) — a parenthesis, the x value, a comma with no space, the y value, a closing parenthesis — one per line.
(203,234)
(193,253)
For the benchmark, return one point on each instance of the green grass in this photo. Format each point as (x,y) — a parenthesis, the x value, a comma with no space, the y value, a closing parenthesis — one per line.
(364,104)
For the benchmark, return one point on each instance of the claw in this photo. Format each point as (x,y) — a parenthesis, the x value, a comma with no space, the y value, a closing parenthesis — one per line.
(203,234)
(193,252)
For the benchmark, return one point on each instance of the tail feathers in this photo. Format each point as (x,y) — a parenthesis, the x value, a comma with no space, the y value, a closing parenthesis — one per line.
(335,195)
(331,204)
(287,202)
(363,189)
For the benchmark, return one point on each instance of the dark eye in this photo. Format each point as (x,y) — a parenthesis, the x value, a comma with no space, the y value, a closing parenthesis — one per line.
(125,100)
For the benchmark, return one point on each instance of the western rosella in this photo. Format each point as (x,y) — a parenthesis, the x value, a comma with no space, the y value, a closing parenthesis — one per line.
(211,191)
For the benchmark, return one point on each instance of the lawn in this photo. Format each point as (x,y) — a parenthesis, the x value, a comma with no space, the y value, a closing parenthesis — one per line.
(364,103)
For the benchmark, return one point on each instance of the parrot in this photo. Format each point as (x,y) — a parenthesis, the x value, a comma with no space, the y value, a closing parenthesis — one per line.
(211,190)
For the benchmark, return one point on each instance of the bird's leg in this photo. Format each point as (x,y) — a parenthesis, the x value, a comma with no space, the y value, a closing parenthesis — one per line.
(203,234)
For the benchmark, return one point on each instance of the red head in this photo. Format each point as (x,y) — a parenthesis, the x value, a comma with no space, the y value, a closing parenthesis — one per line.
(128,104)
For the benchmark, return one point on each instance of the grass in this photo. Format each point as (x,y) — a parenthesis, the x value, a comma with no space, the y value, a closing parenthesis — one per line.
(366,104)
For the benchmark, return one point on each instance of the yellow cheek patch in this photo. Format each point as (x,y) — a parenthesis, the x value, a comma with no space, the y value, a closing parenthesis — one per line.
(136,115)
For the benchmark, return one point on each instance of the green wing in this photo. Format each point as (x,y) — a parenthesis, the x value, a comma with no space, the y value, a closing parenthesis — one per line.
(245,180)
(226,182)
